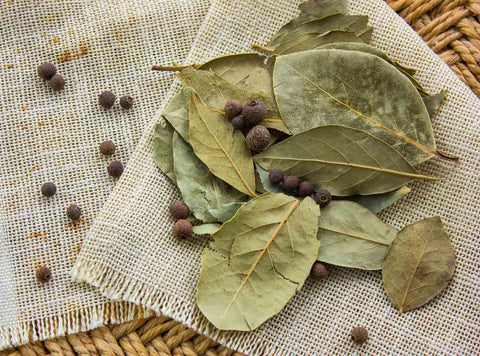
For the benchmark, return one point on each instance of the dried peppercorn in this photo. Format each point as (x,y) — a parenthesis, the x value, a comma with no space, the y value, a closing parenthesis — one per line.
(48,189)
(318,271)
(46,71)
(323,197)
(275,176)
(74,212)
(305,189)
(107,99)
(57,82)
(232,108)
(107,148)
(258,138)
(290,183)
(115,169)
(126,102)
(238,123)
(43,274)
(254,111)
(183,228)
(359,335)
(179,210)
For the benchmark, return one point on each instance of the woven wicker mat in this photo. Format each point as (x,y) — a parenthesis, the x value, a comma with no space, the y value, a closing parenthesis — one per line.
(451,29)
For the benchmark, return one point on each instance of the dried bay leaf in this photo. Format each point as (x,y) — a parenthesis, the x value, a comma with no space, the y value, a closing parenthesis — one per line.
(257,261)
(346,161)
(352,236)
(162,148)
(377,202)
(419,264)
(176,112)
(221,148)
(226,211)
(433,102)
(355,89)
(265,181)
(323,8)
(201,191)
(206,229)
(215,91)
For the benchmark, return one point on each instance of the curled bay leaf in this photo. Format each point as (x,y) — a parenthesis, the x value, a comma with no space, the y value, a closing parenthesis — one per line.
(206,229)
(176,112)
(346,161)
(162,148)
(215,91)
(200,189)
(433,102)
(352,236)
(377,202)
(226,211)
(221,148)
(354,89)
(419,264)
(257,261)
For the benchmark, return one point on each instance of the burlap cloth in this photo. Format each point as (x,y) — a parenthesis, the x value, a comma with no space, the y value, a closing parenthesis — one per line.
(129,253)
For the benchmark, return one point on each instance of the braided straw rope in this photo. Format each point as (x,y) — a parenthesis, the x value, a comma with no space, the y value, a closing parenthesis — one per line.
(450,28)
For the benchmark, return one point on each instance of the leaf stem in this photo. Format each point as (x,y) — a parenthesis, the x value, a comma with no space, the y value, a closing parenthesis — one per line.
(262,48)
(174,67)
(447,156)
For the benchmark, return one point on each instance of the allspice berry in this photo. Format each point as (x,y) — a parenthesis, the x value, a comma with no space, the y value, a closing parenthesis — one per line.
(254,111)
(359,335)
(323,197)
(238,123)
(74,212)
(126,102)
(232,108)
(46,71)
(290,183)
(305,189)
(107,99)
(183,228)
(48,189)
(179,210)
(43,274)
(57,82)
(275,176)
(258,138)
(107,148)
(318,271)
(115,169)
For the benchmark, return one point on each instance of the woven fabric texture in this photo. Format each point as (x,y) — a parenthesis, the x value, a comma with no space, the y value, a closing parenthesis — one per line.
(129,253)
(451,28)
(48,136)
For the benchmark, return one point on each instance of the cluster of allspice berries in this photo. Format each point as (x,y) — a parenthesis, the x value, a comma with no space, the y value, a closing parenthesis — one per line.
(245,118)
(182,227)
(108,98)
(47,71)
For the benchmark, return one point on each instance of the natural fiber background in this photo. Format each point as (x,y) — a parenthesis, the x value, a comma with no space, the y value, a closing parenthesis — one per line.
(45,136)
(159,33)
(130,254)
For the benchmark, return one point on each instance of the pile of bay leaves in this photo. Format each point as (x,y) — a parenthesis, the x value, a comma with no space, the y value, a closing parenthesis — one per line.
(342,115)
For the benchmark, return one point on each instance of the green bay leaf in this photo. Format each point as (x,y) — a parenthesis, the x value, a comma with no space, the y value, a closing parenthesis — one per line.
(221,148)
(162,148)
(206,229)
(200,189)
(257,261)
(433,102)
(265,181)
(226,211)
(176,112)
(352,236)
(419,264)
(377,202)
(323,8)
(354,89)
(346,161)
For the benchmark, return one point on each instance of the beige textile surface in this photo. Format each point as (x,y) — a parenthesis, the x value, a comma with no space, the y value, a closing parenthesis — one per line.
(47,136)
(130,254)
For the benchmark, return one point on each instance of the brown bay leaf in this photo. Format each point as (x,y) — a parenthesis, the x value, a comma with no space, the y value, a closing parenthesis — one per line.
(355,89)
(257,262)
(352,236)
(162,148)
(346,161)
(221,148)
(419,264)
(200,189)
